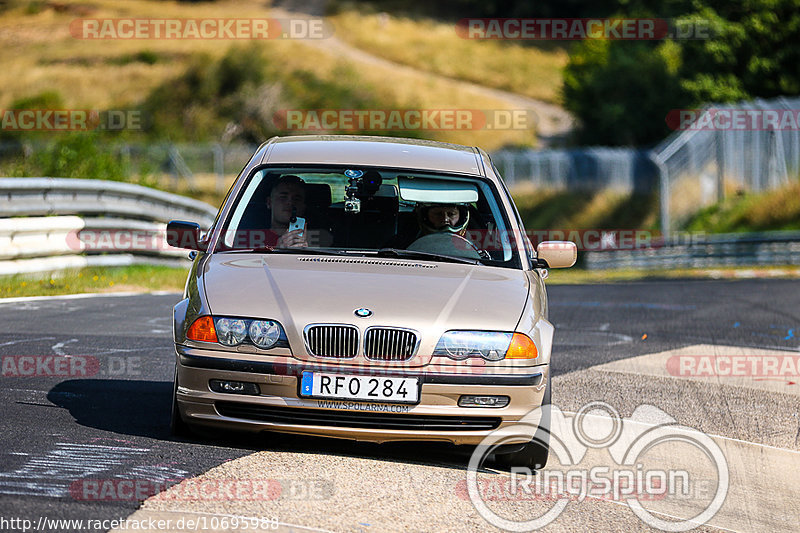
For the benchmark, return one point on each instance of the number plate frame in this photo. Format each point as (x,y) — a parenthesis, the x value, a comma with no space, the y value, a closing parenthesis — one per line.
(307,379)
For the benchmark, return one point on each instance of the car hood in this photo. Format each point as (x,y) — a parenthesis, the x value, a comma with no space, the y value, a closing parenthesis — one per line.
(426,296)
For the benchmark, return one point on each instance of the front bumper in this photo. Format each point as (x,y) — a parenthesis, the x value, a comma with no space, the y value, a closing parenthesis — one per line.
(278,407)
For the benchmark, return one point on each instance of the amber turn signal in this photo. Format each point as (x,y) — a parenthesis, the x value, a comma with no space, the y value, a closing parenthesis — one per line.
(202,330)
(521,347)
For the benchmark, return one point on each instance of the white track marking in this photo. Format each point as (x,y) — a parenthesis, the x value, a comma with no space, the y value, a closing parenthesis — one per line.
(10,343)
(58,348)
(683,363)
(82,295)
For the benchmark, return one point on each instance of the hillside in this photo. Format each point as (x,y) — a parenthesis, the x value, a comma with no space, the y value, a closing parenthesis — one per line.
(41,56)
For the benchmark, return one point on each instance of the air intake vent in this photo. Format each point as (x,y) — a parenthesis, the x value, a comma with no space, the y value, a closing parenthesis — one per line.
(292,416)
(389,344)
(358,261)
(332,340)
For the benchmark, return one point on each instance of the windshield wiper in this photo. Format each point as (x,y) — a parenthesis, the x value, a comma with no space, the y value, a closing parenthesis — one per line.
(298,250)
(411,254)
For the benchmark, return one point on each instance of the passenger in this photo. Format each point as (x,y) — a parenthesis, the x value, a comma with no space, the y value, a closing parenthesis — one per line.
(286,199)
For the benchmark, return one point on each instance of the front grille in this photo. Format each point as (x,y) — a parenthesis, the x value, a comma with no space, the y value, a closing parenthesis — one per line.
(332,340)
(350,419)
(389,344)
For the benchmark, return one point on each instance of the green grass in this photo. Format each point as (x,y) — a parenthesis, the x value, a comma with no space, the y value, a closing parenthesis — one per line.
(146,278)
(138,278)
(577,210)
(778,209)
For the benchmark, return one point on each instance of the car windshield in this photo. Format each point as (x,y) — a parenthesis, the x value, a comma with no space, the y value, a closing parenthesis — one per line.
(370,211)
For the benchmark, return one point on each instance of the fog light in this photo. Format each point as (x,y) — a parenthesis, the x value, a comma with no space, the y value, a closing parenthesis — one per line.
(483,401)
(233,387)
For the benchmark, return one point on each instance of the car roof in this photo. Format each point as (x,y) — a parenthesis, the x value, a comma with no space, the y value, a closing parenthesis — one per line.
(373,151)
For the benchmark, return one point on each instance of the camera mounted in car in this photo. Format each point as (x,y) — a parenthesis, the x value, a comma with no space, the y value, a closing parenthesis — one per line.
(362,185)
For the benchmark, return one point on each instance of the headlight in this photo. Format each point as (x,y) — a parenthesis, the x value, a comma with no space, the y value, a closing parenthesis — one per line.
(489,345)
(264,333)
(231,331)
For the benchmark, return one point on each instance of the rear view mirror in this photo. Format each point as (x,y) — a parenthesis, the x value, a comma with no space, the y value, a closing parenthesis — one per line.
(182,234)
(557,254)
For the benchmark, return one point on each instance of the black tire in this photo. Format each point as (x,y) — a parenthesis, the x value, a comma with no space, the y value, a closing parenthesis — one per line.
(534,454)
(177,426)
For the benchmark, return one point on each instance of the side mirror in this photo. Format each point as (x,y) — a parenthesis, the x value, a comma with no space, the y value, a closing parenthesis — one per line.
(182,234)
(557,254)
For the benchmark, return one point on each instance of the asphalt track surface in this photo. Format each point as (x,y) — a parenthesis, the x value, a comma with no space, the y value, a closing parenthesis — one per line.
(72,427)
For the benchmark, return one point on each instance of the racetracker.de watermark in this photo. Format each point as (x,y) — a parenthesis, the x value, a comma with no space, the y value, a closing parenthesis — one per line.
(735,366)
(201,489)
(73,366)
(589,240)
(404,119)
(578,29)
(56,120)
(200,28)
(724,119)
(595,453)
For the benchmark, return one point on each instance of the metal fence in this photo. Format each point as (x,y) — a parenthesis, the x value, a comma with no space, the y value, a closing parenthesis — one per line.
(49,224)
(700,165)
(172,163)
(694,167)
(624,170)
(691,169)
(720,250)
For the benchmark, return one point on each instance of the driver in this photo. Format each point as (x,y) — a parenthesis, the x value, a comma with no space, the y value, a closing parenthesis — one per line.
(435,218)
(445,219)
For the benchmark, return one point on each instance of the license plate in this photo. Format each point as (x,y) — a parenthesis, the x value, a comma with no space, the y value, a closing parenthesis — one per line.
(367,388)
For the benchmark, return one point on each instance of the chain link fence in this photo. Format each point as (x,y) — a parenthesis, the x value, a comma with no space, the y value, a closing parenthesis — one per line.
(624,170)
(754,150)
(171,164)
(696,166)
(711,157)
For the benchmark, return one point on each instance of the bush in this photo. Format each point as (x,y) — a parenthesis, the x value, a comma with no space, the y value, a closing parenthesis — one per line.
(78,155)
(622,91)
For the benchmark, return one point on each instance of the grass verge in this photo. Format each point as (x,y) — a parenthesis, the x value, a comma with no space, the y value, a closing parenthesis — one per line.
(575,276)
(138,278)
(145,278)
(778,209)
(578,210)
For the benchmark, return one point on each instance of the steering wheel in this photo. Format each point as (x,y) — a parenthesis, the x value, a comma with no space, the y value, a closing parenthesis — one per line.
(446,244)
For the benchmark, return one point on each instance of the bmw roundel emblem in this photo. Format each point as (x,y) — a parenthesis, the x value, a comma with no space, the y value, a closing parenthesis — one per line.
(363,312)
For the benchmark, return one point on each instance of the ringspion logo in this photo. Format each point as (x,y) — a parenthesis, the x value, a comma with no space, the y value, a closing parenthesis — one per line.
(599,454)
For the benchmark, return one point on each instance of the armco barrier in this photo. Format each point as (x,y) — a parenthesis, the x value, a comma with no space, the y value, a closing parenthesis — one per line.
(742,249)
(49,224)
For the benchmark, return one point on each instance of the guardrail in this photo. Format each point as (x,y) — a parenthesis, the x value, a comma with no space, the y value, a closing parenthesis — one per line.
(732,249)
(49,224)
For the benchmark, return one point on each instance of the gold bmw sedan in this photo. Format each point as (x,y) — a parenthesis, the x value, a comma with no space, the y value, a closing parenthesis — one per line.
(366,288)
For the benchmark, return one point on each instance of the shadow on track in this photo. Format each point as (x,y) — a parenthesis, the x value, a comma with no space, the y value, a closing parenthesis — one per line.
(142,408)
(139,408)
